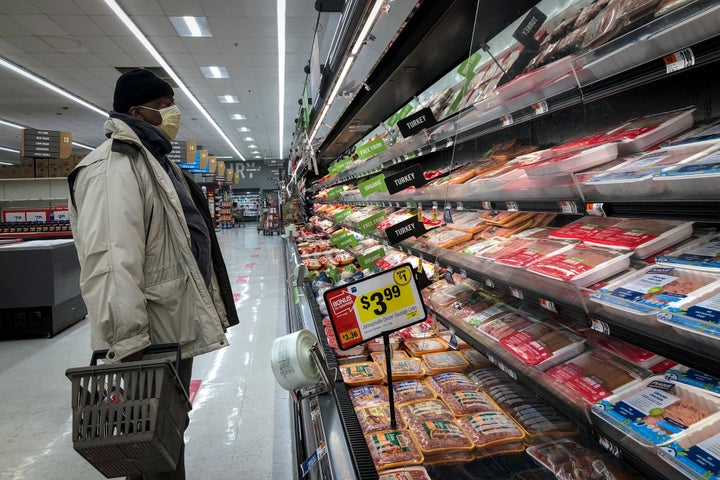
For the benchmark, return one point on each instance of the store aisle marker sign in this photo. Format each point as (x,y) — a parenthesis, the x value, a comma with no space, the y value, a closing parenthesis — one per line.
(371,148)
(368,260)
(373,306)
(375,184)
(410,177)
(369,224)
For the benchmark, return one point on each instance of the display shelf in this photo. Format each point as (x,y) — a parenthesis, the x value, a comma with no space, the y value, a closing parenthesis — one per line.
(53,189)
(36,235)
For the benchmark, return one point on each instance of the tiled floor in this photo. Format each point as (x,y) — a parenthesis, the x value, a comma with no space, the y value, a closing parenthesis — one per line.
(239,425)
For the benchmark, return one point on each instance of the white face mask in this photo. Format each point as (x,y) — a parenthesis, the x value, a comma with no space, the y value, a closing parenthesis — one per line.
(170,120)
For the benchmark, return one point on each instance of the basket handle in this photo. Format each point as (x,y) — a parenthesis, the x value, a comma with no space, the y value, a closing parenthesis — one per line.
(160,348)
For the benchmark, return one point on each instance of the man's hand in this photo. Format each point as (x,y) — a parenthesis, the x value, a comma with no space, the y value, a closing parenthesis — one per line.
(134,357)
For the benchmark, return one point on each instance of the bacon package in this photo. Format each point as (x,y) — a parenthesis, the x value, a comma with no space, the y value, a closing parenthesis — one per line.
(393,448)
(568,460)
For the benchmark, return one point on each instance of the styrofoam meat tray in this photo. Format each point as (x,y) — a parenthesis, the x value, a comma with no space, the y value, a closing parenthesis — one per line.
(701,254)
(573,162)
(700,316)
(572,265)
(698,178)
(642,235)
(652,397)
(664,125)
(654,288)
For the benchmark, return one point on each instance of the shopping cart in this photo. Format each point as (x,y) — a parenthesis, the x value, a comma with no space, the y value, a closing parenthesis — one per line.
(129,418)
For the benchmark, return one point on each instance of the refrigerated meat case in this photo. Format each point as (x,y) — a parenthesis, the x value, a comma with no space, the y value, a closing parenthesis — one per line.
(629,77)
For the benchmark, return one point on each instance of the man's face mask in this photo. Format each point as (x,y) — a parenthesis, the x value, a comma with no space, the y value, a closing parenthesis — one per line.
(170,120)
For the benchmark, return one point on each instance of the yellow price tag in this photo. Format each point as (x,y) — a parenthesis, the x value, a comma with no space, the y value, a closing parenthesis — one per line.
(388,299)
(350,335)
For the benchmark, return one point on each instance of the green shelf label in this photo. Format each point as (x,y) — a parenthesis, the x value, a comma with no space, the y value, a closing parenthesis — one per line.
(335,192)
(373,147)
(367,261)
(367,225)
(342,216)
(344,240)
(466,68)
(375,184)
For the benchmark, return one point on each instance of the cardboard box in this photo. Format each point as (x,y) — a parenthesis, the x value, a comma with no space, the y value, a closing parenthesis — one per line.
(41,168)
(26,161)
(54,172)
(26,171)
(54,162)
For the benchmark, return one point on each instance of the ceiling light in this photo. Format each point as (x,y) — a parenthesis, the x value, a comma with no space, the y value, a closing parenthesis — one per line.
(223,156)
(281,72)
(6,163)
(228,99)
(249,139)
(257,156)
(215,72)
(156,55)
(6,149)
(81,145)
(341,79)
(10,124)
(255,152)
(243,129)
(368,25)
(252,146)
(191,26)
(51,86)
(238,116)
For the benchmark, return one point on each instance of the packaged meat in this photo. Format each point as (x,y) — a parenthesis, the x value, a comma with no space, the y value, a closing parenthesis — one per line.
(421,346)
(542,345)
(693,377)
(505,248)
(536,233)
(505,325)
(700,316)
(422,410)
(644,236)
(702,254)
(368,396)
(449,457)
(377,418)
(656,287)
(572,162)
(642,133)
(412,391)
(696,178)
(490,428)
(694,452)
(404,368)
(442,362)
(504,218)
(465,402)
(361,373)
(460,344)
(379,357)
(467,221)
(489,314)
(627,351)
(405,473)
(475,359)
(393,448)
(378,344)
(312,263)
(583,228)
(489,376)
(444,296)
(532,252)
(478,246)
(569,460)
(655,411)
(435,436)
(450,382)
(594,375)
(449,237)
(540,420)
(582,265)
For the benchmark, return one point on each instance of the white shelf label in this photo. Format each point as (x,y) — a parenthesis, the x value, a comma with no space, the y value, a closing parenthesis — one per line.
(459,207)
(516,293)
(489,283)
(548,305)
(609,446)
(502,367)
(568,207)
(463,273)
(507,120)
(541,107)
(595,209)
(679,60)
(599,326)
(487,205)
(512,206)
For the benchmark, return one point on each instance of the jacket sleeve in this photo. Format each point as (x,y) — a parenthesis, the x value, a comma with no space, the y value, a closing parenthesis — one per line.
(110,236)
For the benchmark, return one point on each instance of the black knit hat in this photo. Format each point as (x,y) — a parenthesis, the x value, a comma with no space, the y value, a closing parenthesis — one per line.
(137,87)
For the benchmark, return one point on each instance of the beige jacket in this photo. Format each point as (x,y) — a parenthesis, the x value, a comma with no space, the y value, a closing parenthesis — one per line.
(139,279)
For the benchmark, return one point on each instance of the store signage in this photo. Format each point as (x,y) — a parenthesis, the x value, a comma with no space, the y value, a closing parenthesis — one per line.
(46,143)
(220,168)
(342,216)
(375,184)
(185,152)
(402,113)
(369,224)
(344,240)
(410,177)
(373,147)
(341,165)
(467,68)
(416,122)
(335,192)
(525,33)
(236,178)
(368,260)
(405,229)
(212,164)
(373,306)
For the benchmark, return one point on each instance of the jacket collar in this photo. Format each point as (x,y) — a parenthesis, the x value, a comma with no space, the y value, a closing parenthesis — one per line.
(138,131)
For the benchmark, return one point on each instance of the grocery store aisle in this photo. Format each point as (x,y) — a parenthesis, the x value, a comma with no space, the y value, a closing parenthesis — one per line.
(239,425)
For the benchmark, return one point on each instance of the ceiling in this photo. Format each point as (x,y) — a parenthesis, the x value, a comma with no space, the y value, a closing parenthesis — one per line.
(79,44)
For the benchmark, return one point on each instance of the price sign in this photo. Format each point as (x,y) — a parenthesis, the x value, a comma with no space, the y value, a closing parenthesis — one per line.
(568,207)
(599,326)
(679,60)
(512,206)
(375,305)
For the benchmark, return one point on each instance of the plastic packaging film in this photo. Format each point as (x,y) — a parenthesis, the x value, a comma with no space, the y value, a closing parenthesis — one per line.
(291,360)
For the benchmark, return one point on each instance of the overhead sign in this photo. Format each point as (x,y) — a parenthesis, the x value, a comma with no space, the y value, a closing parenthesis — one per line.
(405,229)
(212,164)
(184,152)
(417,122)
(46,143)
(373,306)
(221,168)
(410,177)
(373,147)
(375,184)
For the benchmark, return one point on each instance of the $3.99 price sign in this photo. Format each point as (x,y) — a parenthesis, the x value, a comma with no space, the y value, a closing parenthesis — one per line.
(382,303)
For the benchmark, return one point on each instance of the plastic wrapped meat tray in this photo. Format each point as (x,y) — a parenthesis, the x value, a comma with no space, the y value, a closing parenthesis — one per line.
(593,376)
(491,313)
(467,308)
(404,368)
(489,376)
(435,436)
(487,429)
(702,254)
(504,248)
(627,351)
(421,346)
(443,362)
(568,460)
(412,391)
(640,134)
(422,410)
(393,448)
(476,359)
(582,265)
(643,236)
(542,345)
(584,228)
(450,382)
(695,179)
(361,373)
(377,418)
(447,294)
(656,411)
(570,162)
(532,252)
(505,325)
(379,357)
(368,396)
(699,317)
(407,473)
(465,402)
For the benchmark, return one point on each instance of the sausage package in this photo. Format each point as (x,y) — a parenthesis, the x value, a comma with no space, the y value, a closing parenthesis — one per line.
(411,391)
(393,448)
(361,373)
(423,410)
(490,428)
(465,402)
(377,418)
(443,362)
(368,396)
(435,436)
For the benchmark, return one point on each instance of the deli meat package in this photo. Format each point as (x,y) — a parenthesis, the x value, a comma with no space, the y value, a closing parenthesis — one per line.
(582,265)
(377,418)
(411,391)
(435,436)
(393,448)
(464,402)
(407,473)
(655,411)
(368,396)
(488,428)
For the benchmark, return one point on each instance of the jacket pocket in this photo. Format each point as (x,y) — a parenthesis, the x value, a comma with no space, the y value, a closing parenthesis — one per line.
(171,316)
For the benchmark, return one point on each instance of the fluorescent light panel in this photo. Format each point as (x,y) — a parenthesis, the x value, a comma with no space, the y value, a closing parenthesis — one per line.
(243,129)
(281,72)
(238,116)
(215,72)
(191,26)
(368,25)
(81,145)
(12,150)
(228,99)
(249,139)
(341,79)
(252,146)
(10,124)
(156,55)
(50,86)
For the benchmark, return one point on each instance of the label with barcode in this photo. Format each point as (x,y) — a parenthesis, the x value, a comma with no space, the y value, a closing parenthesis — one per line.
(599,326)
(609,446)
(512,206)
(595,209)
(447,215)
(507,120)
(487,205)
(679,60)
(516,293)
(489,283)
(540,107)
(548,305)
(463,273)
(459,207)
(568,207)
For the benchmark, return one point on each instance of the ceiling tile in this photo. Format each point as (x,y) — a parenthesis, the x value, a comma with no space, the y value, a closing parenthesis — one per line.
(110,25)
(141,7)
(166,45)
(119,60)
(90,60)
(54,59)
(129,44)
(176,60)
(93,7)
(234,27)
(30,44)
(19,8)
(100,44)
(144,59)
(79,25)
(178,8)
(10,27)
(39,24)
(200,45)
(155,25)
(57,7)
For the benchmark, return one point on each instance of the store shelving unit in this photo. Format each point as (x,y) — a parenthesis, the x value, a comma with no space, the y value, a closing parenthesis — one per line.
(250,202)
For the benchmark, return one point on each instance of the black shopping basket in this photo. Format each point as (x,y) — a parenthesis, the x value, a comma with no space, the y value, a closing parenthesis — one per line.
(129,418)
